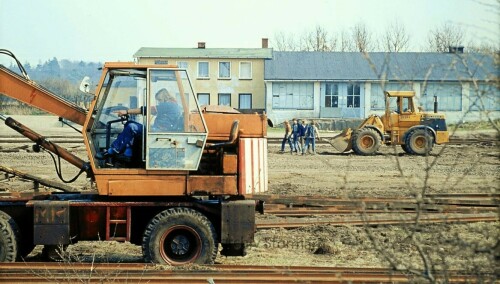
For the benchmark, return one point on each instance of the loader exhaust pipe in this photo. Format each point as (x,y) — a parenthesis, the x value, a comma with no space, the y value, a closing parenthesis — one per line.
(435,104)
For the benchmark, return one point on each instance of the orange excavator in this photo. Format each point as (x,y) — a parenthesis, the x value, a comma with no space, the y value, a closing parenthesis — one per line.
(183,192)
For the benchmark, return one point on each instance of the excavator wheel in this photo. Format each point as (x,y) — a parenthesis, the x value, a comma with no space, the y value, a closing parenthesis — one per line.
(9,236)
(366,141)
(419,142)
(179,236)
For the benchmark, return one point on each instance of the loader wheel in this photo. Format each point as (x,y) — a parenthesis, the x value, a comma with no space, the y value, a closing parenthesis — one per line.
(419,142)
(180,236)
(365,141)
(405,148)
(9,235)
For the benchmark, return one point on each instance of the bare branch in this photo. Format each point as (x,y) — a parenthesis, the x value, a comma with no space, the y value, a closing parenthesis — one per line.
(396,39)
(441,38)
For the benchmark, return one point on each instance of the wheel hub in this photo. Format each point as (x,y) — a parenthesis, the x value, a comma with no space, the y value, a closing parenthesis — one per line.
(180,245)
(420,142)
(367,142)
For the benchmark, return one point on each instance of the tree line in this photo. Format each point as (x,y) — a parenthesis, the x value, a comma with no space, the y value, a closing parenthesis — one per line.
(395,38)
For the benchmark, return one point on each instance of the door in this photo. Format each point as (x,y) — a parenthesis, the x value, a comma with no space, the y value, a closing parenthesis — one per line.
(176,132)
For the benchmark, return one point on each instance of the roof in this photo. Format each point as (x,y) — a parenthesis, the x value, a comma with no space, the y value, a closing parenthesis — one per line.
(248,53)
(407,66)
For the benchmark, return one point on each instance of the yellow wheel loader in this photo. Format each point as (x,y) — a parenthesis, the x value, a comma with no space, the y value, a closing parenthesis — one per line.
(402,124)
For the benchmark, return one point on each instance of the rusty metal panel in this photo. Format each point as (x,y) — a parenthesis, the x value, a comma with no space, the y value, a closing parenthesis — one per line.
(215,185)
(238,222)
(147,186)
(229,164)
(51,222)
(219,125)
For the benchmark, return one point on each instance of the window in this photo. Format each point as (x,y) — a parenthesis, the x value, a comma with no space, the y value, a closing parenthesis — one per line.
(182,64)
(225,99)
(224,70)
(203,69)
(293,95)
(449,96)
(245,101)
(353,95)
(245,70)
(331,95)
(486,97)
(203,98)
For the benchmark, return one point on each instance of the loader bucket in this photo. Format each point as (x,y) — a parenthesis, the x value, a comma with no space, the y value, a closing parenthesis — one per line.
(342,142)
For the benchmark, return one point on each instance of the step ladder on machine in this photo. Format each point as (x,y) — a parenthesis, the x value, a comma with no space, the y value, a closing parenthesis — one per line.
(118,220)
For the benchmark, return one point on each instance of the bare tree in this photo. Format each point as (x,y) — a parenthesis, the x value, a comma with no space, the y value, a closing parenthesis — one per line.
(396,39)
(319,40)
(285,42)
(482,47)
(441,38)
(362,38)
(345,42)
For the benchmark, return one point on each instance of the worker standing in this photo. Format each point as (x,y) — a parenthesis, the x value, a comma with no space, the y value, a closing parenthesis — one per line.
(302,133)
(295,136)
(311,134)
(287,138)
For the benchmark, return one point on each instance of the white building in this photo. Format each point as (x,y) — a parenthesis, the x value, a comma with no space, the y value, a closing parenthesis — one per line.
(351,84)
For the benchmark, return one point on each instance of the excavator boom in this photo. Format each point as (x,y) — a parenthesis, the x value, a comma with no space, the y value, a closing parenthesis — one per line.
(31,93)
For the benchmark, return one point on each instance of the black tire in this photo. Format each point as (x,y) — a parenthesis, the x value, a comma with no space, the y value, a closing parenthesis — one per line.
(405,148)
(419,142)
(366,141)
(180,236)
(9,236)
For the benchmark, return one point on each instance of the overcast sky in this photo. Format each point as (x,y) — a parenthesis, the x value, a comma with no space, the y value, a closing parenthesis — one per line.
(98,30)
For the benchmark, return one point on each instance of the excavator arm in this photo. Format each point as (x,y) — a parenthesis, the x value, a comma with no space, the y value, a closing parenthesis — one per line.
(25,90)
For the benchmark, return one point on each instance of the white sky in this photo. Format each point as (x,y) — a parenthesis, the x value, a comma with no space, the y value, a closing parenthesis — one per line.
(111,30)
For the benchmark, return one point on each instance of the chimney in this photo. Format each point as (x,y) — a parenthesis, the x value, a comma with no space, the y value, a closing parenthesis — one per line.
(265,43)
(201,44)
(455,49)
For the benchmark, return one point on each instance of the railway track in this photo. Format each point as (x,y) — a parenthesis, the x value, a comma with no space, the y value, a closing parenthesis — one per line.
(36,272)
(301,206)
(373,220)
(300,211)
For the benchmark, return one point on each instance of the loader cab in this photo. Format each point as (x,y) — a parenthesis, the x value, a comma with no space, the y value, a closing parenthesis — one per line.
(148,116)
(399,108)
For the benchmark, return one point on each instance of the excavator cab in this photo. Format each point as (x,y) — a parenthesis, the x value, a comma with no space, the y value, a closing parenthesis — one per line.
(150,119)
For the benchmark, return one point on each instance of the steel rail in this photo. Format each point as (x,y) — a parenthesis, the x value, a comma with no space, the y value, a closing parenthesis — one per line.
(35,272)
(322,205)
(291,223)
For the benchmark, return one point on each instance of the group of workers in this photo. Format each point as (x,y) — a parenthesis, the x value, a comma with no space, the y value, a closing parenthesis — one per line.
(301,137)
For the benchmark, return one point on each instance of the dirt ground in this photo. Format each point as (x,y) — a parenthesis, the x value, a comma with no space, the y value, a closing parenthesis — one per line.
(450,169)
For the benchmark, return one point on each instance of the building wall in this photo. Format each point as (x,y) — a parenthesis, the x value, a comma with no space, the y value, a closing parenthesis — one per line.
(459,101)
(214,85)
